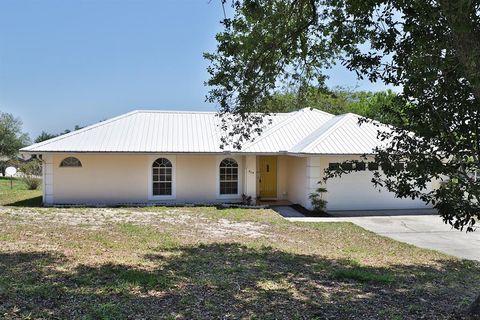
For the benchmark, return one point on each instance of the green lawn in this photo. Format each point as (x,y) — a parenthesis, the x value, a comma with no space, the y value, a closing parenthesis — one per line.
(184,263)
(19,195)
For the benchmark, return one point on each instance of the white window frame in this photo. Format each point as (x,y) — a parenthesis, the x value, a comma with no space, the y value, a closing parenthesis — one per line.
(173,161)
(70,167)
(238,195)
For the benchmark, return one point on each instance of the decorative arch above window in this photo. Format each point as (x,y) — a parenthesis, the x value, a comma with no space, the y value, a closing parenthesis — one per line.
(228,177)
(71,162)
(162,177)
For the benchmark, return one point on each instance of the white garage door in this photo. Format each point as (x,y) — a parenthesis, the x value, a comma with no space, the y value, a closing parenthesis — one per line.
(355,191)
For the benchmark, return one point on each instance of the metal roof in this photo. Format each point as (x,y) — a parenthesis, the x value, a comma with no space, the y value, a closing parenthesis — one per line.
(287,133)
(342,135)
(307,131)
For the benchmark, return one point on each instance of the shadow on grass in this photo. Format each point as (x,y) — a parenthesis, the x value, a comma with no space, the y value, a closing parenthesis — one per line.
(34,202)
(228,280)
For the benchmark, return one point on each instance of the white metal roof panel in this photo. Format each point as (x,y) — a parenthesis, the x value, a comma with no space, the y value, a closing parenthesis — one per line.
(142,131)
(286,134)
(306,131)
(342,135)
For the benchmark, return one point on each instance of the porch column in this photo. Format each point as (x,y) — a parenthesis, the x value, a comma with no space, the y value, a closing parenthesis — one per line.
(47,168)
(251,176)
(314,175)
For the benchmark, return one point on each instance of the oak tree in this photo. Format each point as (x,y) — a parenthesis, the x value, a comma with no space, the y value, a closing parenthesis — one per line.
(428,49)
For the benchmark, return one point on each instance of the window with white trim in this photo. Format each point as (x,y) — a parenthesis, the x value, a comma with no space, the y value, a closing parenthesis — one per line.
(162,177)
(70,162)
(228,176)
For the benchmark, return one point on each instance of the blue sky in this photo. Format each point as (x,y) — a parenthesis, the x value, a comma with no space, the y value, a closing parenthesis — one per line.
(64,63)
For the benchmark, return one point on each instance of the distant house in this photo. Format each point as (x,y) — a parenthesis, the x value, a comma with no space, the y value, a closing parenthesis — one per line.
(175,157)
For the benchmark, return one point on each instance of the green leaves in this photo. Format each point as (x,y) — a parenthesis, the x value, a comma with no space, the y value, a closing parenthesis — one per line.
(11,136)
(265,44)
(430,49)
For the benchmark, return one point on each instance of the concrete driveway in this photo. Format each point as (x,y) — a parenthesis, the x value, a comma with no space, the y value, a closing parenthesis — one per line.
(425,231)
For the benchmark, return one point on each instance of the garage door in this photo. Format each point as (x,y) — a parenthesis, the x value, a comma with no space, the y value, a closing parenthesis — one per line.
(355,191)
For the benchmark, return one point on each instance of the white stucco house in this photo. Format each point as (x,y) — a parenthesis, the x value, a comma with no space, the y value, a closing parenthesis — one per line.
(175,157)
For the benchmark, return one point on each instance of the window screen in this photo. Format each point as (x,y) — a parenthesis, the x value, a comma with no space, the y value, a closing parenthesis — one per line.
(347,166)
(70,162)
(228,176)
(372,166)
(162,177)
(360,166)
(334,166)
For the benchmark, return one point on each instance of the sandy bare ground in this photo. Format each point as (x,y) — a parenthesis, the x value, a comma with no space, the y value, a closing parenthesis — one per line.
(206,263)
(96,218)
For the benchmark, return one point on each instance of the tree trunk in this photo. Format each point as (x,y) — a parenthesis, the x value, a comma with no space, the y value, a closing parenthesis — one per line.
(474,309)
(466,38)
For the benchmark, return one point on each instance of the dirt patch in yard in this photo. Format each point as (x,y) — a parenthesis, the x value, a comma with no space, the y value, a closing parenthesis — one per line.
(225,228)
(192,263)
(97,218)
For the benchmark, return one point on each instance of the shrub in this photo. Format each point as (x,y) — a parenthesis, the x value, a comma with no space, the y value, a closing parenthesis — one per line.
(31,172)
(317,200)
(32,182)
(246,200)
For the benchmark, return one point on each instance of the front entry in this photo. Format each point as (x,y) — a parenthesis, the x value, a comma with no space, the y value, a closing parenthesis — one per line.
(268,177)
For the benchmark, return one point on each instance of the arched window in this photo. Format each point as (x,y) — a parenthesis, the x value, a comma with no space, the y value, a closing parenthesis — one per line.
(162,177)
(70,162)
(228,176)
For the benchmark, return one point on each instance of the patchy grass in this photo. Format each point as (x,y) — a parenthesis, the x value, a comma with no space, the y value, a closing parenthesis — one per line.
(19,195)
(183,263)
(106,311)
(363,275)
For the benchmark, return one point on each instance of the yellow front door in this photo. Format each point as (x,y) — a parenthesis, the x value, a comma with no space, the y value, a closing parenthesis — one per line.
(268,177)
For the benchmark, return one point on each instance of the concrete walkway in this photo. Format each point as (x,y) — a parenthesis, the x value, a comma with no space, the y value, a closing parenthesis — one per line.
(287,212)
(425,231)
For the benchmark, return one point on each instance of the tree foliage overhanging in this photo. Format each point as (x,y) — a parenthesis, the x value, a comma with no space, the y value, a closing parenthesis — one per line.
(337,101)
(430,49)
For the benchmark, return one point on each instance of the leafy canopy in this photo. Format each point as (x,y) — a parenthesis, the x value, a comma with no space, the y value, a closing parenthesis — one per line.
(11,136)
(47,136)
(430,49)
(337,101)
(43,136)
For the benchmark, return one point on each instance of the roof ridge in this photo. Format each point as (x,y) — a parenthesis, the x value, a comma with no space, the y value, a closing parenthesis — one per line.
(276,127)
(212,112)
(73,133)
(319,111)
(298,132)
(175,111)
(322,133)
